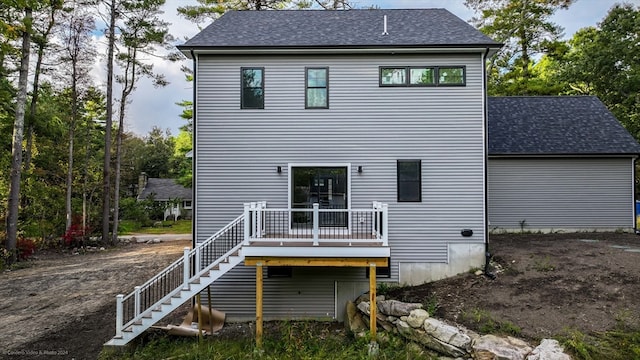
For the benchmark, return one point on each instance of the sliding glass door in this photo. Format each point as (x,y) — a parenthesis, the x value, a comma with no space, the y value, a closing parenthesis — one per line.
(326,186)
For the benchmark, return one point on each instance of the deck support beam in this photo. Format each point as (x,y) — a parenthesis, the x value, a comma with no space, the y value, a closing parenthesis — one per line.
(259,305)
(261,261)
(372,301)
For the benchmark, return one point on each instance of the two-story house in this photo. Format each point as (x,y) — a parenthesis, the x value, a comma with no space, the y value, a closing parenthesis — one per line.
(332,149)
(335,149)
(349,111)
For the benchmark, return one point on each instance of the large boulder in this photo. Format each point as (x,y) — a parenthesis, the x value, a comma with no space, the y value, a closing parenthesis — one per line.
(417,317)
(498,348)
(447,334)
(421,336)
(354,321)
(548,349)
(396,308)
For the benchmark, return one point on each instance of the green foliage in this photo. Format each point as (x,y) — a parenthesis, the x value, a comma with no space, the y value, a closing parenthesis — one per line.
(131,209)
(169,227)
(526,31)
(619,344)
(485,323)
(431,304)
(283,341)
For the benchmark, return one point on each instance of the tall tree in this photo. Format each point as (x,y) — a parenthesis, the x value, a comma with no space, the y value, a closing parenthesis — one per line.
(604,61)
(106,173)
(142,31)
(526,29)
(78,53)
(18,130)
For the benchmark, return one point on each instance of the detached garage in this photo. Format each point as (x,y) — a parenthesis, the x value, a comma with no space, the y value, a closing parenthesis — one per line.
(558,163)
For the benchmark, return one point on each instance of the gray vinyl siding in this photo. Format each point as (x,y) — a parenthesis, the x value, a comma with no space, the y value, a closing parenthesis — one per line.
(560,193)
(238,151)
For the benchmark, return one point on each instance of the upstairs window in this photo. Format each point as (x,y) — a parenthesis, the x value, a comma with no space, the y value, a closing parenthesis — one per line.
(252,96)
(393,76)
(409,181)
(451,75)
(317,88)
(423,76)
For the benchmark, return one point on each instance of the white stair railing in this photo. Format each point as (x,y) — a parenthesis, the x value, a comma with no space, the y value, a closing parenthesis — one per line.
(176,277)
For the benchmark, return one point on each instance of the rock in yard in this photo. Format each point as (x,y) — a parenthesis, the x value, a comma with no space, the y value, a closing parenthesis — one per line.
(397,308)
(417,317)
(548,349)
(499,348)
(447,333)
(429,341)
(364,307)
(354,321)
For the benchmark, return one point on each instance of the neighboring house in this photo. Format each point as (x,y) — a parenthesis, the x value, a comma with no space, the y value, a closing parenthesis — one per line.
(176,199)
(332,149)
(559,163)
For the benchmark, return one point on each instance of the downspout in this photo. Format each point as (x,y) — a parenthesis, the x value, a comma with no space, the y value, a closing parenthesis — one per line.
(487,254)
(193,156)
(633,192)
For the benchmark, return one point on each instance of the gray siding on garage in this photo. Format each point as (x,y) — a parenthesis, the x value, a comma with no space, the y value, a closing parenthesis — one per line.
(238,151)
(560,193)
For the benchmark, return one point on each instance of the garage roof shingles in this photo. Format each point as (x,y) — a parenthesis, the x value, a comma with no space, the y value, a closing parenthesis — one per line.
(349,28)
(555,125)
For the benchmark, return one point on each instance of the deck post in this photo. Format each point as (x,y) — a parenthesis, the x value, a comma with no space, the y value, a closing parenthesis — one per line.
(247,223)
(385,224)
(136,300)
(316,225)
(372,301)
(186,269)
(119,314)
(259,305)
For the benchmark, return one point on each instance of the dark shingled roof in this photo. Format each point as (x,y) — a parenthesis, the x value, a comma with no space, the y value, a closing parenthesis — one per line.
(555,125)
(165,189)
(344,28)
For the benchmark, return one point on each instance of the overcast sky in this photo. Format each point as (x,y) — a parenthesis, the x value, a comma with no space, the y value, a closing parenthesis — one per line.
(151,106)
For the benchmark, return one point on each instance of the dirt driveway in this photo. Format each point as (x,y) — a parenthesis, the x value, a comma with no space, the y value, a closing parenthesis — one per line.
(63,305)
(546,285)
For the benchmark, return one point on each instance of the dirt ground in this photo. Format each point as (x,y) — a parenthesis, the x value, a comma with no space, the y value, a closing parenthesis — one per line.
(546,285)
(63,305)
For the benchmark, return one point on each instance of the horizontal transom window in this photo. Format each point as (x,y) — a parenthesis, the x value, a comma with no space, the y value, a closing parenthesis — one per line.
(423,76)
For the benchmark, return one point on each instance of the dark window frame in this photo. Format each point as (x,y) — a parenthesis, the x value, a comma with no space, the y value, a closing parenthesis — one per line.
(381,68)
(401,183)
(242,87)
(280,272)
(464,75)
(436,79)
(381,271)
(307,87)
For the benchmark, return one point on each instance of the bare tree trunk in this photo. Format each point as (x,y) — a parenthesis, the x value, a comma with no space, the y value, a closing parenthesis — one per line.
(18,129)
(106,188)
(72,125)
(116,196)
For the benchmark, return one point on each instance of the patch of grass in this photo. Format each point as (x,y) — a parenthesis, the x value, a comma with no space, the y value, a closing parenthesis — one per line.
(485,323)
(128,227)
(612,345)
(544,264)
(165,227)
(431,305)
(288,340)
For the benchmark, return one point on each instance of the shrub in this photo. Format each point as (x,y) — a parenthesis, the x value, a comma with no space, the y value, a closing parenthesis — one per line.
(75,234)
(26,248)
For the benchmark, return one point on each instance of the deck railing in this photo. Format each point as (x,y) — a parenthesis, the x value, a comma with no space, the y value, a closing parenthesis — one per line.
(316,225)
(177,276)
